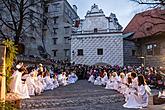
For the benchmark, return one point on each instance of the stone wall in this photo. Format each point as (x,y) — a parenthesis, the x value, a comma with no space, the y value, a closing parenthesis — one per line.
(129,58)
(154,60)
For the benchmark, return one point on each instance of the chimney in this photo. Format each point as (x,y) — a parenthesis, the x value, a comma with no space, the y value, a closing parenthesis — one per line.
(75,8)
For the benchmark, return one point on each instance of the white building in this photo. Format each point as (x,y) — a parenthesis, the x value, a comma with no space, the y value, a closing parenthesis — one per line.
(98,39)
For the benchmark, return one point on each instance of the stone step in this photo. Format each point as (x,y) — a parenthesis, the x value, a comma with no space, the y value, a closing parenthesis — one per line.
(69,102)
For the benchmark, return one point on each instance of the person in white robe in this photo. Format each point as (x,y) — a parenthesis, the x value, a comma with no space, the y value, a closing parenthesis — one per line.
(113,82)
(161,94)
(134,80)
(39,85)
(48,81)
(91,78)
(17,86)
(64,79)
(122,83)
(138,98)
(98,81)
(55,81)
(72,78)
(105,78)
(41,79)
(108,84)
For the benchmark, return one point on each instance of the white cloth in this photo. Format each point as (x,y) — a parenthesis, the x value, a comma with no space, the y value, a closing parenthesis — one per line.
(31,85)
(55,82)
(17,86)
(62,79)
(42,81)
(98,81)
(72,78)
(112,83)
(122,85)
(137,101)
(91,79)
(104,80)
(49,83)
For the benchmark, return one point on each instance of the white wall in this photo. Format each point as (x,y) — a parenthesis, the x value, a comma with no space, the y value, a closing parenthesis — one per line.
(112,45)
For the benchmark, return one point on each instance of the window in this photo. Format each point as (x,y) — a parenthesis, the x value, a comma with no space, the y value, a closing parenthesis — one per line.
(80,52)
(45,21)
(66,52)
(67,29)
(99,51)
(55,30)
(57,7)
(46,9)
(44,32)
(55,41)
(32,27)
(66,40)
(149,49)
(55,19)
(55,52)
(152,49)
(95,30)
(133,52)
(0,16)
(31,2)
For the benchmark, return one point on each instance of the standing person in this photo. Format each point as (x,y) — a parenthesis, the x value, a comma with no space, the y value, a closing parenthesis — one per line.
(138,98)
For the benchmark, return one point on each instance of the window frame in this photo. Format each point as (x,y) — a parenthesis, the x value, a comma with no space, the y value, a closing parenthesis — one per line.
(55,41)
(100,50)
(55,53)
(152,49)
(66,50)
(80,52)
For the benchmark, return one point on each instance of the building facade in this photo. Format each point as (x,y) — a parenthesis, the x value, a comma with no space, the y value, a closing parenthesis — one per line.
(97,40)
(48,27)
(148,38)
(61,17)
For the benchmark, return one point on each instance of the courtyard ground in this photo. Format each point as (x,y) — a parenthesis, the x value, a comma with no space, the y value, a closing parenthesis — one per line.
(79,96)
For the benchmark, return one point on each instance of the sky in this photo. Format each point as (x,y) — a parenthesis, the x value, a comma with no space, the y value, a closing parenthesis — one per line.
(124,9)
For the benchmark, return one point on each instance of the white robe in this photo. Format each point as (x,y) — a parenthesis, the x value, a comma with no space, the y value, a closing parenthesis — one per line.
(112,83)
(104,80)
(72,78)
(62,79)
(91,79)
(122,87)
(49,83)
(30,85)
(137,101)
(98,81)
(55,82)
(17,86)
(42,81)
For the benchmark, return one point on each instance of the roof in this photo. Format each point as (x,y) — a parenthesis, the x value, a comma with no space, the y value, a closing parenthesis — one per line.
(147,24)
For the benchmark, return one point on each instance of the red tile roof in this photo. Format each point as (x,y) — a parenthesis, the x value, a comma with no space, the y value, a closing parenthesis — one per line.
(148,23)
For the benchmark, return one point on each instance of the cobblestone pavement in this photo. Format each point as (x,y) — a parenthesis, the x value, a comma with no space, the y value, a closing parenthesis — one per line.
(79,96)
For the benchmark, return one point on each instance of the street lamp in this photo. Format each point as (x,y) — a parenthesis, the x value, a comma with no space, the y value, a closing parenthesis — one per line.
(143,60)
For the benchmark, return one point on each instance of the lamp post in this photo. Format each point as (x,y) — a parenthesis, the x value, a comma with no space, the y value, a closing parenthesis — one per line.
(143,58)
(2,73)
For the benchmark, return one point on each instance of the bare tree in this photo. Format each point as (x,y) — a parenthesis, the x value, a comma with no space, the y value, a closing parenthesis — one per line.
(17,16)
(150,2)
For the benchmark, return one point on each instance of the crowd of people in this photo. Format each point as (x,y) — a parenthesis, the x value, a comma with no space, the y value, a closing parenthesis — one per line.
(133,82)
(29,81)
(129,81)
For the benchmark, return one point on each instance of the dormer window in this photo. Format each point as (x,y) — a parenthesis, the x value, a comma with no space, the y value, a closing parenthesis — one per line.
(95,30)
